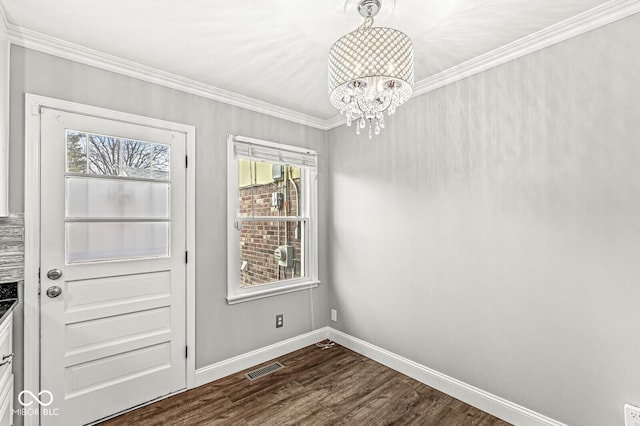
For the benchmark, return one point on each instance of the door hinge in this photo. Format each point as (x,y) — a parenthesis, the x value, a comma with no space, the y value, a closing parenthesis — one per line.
(186,257)
(38,275)
(186,161)
(186,351)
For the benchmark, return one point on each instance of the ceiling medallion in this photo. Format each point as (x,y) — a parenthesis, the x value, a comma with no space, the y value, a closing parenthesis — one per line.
(370,71)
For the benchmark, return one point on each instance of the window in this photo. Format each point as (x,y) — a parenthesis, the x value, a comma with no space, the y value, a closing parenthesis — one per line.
(272,211)
(117,198)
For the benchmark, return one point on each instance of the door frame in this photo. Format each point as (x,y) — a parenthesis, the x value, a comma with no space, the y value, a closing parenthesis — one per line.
(31,302)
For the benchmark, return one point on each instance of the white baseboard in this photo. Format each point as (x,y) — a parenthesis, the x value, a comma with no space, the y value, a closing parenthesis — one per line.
(242,362)
(485,401)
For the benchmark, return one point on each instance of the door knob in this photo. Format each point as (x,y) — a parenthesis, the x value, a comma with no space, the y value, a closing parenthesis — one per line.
(54,274)
(54,291)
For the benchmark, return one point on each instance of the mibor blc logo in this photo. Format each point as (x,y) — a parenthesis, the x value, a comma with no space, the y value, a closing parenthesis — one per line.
(42,401)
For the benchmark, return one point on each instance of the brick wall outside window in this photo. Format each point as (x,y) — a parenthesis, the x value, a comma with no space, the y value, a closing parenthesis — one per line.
(258,240)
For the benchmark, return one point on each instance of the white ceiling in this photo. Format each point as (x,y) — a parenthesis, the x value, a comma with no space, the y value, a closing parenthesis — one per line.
(276,50)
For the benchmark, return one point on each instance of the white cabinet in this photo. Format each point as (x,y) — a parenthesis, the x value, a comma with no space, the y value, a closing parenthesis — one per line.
(6,371)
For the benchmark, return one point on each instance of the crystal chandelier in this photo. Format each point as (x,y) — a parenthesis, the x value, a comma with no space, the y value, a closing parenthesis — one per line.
(370,71)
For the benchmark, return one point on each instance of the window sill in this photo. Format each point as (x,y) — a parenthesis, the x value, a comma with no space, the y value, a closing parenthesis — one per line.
(261,294)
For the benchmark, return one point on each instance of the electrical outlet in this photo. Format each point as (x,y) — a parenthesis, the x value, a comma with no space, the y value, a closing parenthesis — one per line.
(631,415)
(334,315)
(279,320)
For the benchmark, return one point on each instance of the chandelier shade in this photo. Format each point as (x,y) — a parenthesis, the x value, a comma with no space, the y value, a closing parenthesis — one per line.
(370,72)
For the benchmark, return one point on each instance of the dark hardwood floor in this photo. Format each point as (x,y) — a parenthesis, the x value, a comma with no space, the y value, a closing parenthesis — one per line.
(332,386)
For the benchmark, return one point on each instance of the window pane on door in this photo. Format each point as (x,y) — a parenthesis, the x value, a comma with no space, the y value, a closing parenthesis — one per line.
(100,241)
(76,152)
(108,198)
(136,159)
(111,156)
(104,155)
(160,161)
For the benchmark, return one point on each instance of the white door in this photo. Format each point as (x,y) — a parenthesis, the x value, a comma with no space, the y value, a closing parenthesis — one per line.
(112,304)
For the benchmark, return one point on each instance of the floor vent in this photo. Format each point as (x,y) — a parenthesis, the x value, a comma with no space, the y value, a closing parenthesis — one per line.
(263,371)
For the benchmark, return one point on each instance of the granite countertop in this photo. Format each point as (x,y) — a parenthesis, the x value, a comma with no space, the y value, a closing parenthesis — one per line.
(6,306)
(8,299)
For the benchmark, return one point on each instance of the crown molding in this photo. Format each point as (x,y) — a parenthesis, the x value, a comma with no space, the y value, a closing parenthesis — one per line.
(54,46)
(3,17)
(335,121)
(589,20)
(579,24)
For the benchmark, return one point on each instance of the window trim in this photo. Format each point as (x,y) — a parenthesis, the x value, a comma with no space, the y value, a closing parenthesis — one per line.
(237,294)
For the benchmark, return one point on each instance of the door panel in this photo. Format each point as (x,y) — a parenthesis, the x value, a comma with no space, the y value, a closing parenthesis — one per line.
(100,373)
(115,293)
(113,222)
(113,331)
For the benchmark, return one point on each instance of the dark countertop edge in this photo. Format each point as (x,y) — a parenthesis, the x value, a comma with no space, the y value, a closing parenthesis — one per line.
(6,313)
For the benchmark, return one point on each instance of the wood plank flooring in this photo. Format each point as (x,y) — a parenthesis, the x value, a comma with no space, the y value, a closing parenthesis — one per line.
(333,386)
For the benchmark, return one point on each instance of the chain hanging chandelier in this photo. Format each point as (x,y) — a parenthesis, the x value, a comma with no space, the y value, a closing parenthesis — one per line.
(370,71)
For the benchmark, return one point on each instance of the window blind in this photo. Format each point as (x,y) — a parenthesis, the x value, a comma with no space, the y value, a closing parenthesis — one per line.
(275,155)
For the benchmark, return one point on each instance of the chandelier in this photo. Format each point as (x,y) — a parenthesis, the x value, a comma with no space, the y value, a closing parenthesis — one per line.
(370,71)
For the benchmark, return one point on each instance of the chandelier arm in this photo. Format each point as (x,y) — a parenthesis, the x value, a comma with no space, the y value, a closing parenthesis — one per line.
(360,111)
(364,110)
(389,102)
(360,107)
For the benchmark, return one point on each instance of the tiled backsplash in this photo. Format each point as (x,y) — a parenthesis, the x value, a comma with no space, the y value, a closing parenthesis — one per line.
(11,248)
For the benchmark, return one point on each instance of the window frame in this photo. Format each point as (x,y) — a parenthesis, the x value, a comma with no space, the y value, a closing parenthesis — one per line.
(309,215)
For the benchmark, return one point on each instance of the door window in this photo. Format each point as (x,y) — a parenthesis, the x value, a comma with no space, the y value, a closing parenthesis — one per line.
(117,198)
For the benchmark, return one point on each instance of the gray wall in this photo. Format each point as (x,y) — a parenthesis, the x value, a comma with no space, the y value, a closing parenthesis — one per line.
(222,331)
(492,232)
